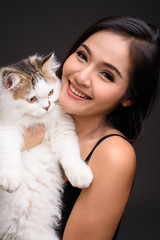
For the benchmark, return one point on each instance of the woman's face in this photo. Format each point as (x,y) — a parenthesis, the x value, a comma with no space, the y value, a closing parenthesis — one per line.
(96,76)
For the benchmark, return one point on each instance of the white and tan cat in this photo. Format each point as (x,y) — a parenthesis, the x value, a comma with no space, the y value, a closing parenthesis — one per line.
(30,181)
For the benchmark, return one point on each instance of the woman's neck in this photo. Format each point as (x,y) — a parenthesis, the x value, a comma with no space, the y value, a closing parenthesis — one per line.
(89,128)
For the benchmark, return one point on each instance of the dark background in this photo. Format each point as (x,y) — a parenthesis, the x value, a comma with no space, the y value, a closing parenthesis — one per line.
(28,27)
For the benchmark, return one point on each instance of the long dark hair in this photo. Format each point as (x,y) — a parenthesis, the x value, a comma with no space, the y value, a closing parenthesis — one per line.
(145,73)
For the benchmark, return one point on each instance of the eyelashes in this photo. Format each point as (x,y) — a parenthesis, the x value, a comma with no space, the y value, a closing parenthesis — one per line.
(108,76)
(34,98)
(82,55)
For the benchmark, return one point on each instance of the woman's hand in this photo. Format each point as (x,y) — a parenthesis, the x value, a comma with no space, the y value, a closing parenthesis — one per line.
(33,137)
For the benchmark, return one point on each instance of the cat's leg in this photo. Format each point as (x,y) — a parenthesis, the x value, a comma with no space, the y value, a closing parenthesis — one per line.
(66,147)
(77,171)
(10,158)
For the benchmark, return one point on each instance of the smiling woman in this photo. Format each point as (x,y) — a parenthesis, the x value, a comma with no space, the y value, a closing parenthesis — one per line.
(99,70)
(109,84)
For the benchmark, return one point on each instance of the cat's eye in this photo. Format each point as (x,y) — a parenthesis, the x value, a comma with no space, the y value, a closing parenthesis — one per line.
(32,100)
(50,93)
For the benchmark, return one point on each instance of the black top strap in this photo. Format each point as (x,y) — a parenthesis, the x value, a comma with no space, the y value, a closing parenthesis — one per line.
(100,140)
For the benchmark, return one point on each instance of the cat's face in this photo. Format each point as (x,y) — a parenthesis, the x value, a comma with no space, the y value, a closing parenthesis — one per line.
(31,86)
(41,99)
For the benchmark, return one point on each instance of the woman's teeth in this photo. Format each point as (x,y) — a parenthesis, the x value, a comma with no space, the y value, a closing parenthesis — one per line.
(76,92)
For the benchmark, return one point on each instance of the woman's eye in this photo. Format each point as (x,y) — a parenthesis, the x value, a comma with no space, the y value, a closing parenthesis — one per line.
(108,76)
(32,100)
(82,55)
(51,92)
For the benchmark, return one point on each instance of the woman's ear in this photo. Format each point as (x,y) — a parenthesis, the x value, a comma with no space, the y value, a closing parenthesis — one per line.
(128,101)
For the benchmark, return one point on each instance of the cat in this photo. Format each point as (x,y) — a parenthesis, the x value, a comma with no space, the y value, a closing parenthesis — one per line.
(31,181)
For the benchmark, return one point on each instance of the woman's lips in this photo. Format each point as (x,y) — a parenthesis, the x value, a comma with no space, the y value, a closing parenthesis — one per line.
(76,93)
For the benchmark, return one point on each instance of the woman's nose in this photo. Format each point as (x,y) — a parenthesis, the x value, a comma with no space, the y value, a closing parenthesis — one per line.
(83,76)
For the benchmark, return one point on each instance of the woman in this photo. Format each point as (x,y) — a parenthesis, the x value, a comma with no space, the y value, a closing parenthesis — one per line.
(109,84)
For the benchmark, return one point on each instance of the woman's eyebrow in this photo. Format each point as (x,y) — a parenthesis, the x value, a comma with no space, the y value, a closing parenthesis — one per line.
(105,63)
(113,68)
(87,48)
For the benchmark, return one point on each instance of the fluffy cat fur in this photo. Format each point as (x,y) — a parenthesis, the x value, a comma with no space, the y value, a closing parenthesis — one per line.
(30,181)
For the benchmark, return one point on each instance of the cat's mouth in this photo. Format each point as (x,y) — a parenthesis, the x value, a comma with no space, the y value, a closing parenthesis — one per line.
(78,92)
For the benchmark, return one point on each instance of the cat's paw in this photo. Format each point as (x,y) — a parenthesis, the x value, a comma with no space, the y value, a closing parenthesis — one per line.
(9,180)
(81,176)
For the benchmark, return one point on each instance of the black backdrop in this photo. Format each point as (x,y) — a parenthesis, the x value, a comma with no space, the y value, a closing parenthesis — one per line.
(28,27)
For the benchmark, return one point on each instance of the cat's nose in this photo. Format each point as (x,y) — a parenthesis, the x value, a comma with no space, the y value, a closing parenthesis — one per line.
(49,104)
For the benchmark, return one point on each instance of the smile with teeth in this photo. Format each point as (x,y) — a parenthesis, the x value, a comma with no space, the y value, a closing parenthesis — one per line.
(77,93)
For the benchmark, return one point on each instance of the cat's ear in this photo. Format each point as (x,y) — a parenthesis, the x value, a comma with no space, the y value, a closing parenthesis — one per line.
(50,64)
(11,80)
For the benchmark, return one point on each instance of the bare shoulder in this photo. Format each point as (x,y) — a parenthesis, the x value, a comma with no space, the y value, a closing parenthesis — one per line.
(115,154)
(99,208)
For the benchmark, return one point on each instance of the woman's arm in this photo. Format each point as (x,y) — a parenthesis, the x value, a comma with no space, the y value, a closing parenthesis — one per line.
(33,137)
(99,208)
